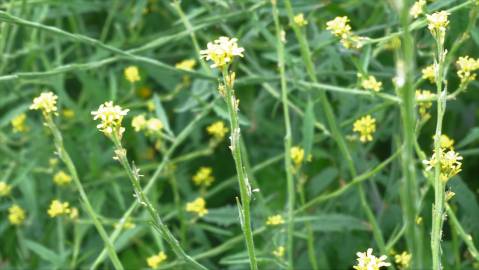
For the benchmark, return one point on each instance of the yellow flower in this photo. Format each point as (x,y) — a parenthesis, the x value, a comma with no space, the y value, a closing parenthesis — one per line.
(61,178)
(446,142)
(371,84)
(5,189)
(187,64)
(417,8)
(138,122)
(403,259)
(367,261)
(437,23)
(203,177)
(110,118)
(150,105)
(18,123)
(429,73)
(153,125)
(365,126)
(418,220)
(73,213)
(466,67)
(275,220)
(197,206)
(297,155)
(423,104)
(279,251)
(68,113)
(218,130)
(156,260)
(449,195)
(132,74)
(222,51)
(45,102)
(58,208)
(339,27)
(299,20)
(16,215)
(450,163)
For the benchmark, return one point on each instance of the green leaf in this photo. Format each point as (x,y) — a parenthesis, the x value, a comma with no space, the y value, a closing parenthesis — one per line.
(334,223)
(472,136)
(160,112)
(308,128)
(224,216)
(44,252)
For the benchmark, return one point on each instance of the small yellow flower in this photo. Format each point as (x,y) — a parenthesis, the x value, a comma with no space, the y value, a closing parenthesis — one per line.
(222,51)
(16,215)
(437,23)
(429,73)
(150,105)
(370,83)
(68,113)
(417,8)
(403,259)
(203,177)
(365,126)
(275,220)
(138,122)
(5,189)
(153,125)
(53,162)
(197,206)
(132,74)
(46,103)
(18,123)
(424,105)
(297,155)
(218,130)
(58,208)
(73,213)
(279,251)
(156,260)
(418,220)
(110,118)
(187,64)
(466,68)
(339,27)
(449,195)
(61,178)
(450,163)
(299,20)
(446,142)
(367,261)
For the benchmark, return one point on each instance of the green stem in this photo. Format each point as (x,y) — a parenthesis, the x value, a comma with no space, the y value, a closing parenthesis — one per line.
(467,238)
(65,157)
(245,188)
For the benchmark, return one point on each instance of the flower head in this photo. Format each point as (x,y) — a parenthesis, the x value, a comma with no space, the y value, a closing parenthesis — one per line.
(370,83)
(110,118)
(299,20)
(61,178)
(18,123)
(197,206)
(437,24)
(403,259)
(450,163)
(297,155)
(203,177)
(58,208)
(132,74)
(187,64)
(365,126)
(367,261)
(153,125)
(275,220)
(466,68)
(73,213)
(156,260)
(45,102)
(417,8)
(218,130)
(423,104)
(5,189)
(446,142)
(138,122)
(339,27)
(16,215)
(279,251)
(429,73)
(222,51)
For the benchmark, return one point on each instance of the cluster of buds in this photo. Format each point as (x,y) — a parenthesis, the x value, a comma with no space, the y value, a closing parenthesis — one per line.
(466,66)
(424,103)
(340,28)
(450,162)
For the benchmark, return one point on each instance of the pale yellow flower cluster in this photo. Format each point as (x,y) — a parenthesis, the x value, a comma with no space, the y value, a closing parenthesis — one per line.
(367,261)
(132,74)
(156,260)
(340,28)
(429,73)
(279,251)
(403,259)
(275,220)
(218,130)
(437,24)
(222,51)
(370,83)
(297,155)
(197,206)
(365,126)
(5,189)
(46,102)
(152,126)
(187,64)
(466,68)
(417,8)
(450,161)
(58,208)
(203,177)
(299,20)
(18,123)
(423,104)
(110,117)
(16,215)
(61,178)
